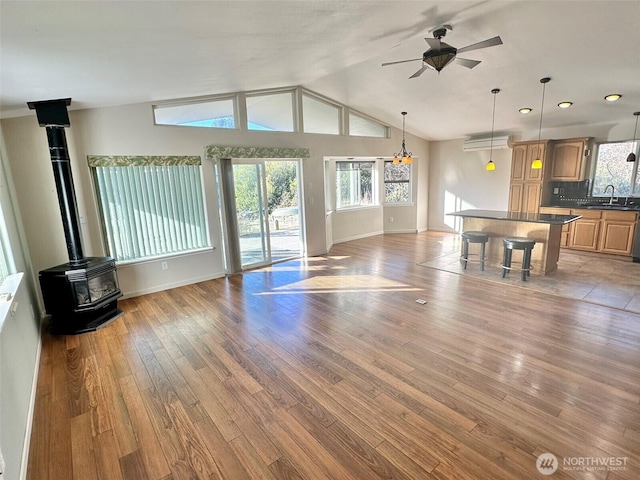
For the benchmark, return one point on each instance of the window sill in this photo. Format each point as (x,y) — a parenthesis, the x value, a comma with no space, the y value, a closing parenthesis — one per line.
(8,291)
(403,204)
(139,261)
(355,209)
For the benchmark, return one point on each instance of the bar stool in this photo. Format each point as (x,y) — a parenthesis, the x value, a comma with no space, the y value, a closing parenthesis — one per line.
(473,237)
(517,243)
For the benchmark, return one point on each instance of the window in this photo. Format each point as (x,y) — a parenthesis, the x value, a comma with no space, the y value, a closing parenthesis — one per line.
(210,113)
(355,184)
(397,182)
(4,263)
(612,168)
(152,210)
(320,116)
(271,112)
(364,127)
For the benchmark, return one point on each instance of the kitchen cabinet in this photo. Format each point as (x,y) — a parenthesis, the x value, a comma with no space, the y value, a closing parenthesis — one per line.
(584,233)
(523,153)
(568,161)
(564,238)
(525,189)
(617,232)
(599,230)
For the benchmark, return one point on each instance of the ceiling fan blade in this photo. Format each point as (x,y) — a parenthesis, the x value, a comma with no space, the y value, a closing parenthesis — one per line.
(419,72)
(486,43)
(401,61)
(433,42)
(467,63)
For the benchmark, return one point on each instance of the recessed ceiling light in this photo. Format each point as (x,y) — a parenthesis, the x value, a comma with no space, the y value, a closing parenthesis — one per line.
(613,97)
(565,104)
(525,110)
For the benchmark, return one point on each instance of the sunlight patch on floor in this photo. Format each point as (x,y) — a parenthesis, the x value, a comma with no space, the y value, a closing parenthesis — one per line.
(342,284)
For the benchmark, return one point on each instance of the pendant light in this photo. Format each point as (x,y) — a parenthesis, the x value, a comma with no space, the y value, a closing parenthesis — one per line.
(632,155)
(403,156)
(537,163)
(490,165)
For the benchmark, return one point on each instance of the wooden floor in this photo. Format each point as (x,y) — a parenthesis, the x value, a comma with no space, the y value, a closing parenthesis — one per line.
(328,368)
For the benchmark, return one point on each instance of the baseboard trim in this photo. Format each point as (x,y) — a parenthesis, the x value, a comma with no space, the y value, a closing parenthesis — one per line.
(168,286)
(358,237)
(406,230)
(32,406)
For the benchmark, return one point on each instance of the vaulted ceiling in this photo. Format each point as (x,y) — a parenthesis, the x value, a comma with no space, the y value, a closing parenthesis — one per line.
(104,53)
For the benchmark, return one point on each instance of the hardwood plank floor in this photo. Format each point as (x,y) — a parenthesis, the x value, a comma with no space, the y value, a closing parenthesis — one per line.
(328,368)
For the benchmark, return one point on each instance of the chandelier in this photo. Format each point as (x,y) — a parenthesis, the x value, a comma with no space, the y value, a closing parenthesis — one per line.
(402,156)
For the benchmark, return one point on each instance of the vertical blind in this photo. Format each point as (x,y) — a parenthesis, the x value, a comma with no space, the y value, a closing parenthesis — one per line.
(152,210)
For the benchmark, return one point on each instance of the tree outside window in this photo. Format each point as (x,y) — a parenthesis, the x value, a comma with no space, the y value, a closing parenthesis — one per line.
(354,184)
(612,168)
(397,182)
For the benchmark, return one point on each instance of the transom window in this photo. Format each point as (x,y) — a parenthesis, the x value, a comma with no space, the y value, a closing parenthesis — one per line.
(320,116)
(270,111)
(355,184)
(210,113)
(612,168)
(366,127)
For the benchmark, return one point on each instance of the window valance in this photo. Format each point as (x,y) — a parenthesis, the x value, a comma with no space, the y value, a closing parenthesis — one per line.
(141,160)
(213,152)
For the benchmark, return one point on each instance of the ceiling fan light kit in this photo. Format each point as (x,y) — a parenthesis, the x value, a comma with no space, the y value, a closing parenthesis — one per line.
(441,54)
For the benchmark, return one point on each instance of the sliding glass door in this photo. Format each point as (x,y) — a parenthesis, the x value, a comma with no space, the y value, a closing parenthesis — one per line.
(264,221)
(251,212)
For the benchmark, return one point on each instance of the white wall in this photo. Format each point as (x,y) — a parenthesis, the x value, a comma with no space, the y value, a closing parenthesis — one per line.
(19,339)
(129,130)
(459,180)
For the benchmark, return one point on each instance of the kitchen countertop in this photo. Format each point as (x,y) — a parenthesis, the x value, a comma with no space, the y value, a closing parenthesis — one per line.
(548,218)
(603,206)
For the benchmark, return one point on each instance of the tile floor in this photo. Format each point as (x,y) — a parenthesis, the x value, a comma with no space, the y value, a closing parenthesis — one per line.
(598,278)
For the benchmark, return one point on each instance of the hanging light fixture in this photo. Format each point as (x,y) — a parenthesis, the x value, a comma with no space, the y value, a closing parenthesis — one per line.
(632,155)
(537,163)
(490,165)
(402,156)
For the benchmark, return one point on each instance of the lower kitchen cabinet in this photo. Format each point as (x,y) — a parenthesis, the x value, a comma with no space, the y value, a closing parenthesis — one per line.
(617,232)
(584,233)
(605,231)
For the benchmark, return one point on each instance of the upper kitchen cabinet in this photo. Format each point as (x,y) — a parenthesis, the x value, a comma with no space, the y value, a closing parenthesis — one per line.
(525,188)
(568,161)
(523,154)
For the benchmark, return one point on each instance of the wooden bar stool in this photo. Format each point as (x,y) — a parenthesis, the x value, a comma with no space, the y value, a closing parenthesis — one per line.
(473,237)
(517,243)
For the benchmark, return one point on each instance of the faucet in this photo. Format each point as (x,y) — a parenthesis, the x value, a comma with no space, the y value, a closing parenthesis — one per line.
(613,191)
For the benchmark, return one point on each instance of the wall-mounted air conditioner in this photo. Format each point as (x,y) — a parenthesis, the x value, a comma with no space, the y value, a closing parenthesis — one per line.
(484,143)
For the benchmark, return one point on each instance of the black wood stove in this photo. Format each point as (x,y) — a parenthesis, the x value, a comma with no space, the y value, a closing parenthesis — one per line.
(81,295)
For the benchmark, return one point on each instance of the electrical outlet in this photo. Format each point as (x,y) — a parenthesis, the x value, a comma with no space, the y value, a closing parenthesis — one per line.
(390,219)
(164,265)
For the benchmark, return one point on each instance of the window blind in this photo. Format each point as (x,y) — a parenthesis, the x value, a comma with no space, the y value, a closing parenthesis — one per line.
(152,210)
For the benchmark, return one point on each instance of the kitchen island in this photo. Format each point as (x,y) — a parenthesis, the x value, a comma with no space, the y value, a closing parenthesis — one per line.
(545,229)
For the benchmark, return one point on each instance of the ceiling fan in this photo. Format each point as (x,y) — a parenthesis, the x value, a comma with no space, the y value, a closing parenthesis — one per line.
(442,54)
